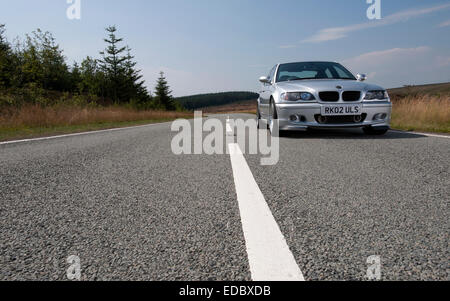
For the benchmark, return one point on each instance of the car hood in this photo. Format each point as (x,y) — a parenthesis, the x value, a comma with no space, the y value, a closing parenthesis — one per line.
(326,85)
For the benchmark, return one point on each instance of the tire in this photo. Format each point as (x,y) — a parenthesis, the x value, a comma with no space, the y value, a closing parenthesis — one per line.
(258,119)
(374,132)
(273,115)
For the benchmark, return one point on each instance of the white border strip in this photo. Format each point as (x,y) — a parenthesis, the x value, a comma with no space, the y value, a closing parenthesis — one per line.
(422,134)
(268,253)
(80,134)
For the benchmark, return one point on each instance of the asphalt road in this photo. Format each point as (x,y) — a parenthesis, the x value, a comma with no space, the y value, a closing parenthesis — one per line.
(132,210)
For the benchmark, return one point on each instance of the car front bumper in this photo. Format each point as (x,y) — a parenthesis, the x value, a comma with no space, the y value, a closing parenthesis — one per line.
(310,110)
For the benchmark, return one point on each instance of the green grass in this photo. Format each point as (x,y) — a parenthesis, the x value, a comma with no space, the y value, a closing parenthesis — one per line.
(426,128)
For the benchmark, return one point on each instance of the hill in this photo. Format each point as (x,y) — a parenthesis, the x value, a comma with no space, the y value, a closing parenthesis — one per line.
(247,106)
(421,90)
(214,99)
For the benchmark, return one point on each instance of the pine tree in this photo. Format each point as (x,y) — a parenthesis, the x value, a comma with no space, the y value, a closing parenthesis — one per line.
(112,63)
(163,97)
(91,77)
(135,89)
(75,78)
(43,63)
(6,64)
(4,45)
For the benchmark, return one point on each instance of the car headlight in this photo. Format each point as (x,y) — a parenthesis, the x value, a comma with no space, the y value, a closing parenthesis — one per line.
(295,96)
(377,95)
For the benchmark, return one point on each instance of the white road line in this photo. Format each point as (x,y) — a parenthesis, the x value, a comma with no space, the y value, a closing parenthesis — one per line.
(78,134)
(229,129)
(423,134)
(268,253)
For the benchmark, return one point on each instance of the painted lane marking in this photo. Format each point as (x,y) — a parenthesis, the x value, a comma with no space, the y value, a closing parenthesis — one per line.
(422,134)
(79,134)
(268,253)
(229,129)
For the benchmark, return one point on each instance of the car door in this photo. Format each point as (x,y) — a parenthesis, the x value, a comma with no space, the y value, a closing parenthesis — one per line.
(266,91)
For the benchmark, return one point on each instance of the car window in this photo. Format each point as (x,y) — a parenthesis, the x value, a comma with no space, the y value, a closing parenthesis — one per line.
(272,73)
(286,75)
(341,72)
(312,70)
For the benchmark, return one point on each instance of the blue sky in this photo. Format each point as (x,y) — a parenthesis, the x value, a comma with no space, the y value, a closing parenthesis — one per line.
(225,45)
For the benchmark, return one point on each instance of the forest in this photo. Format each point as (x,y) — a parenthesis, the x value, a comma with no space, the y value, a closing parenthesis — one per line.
(34,70)
(214,99)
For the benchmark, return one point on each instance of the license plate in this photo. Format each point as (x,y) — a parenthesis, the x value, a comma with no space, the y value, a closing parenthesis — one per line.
(341,110)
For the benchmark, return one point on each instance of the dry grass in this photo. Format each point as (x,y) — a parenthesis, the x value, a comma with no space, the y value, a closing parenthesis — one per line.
(37,116)
(35,120)
(422,113)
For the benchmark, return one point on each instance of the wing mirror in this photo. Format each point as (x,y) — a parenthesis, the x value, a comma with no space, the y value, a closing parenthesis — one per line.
(361,77)
(264,80)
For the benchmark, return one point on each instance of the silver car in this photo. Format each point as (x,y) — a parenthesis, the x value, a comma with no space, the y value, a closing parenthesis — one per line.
(312,95)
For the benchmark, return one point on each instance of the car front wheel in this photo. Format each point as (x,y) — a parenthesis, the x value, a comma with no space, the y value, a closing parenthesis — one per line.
(273,117)
(259,123)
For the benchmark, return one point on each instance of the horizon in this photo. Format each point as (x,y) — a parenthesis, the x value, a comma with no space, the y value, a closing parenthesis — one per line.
(409,31)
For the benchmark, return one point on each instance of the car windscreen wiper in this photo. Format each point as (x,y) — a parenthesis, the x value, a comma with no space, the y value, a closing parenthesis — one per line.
(302,78)
(306,78)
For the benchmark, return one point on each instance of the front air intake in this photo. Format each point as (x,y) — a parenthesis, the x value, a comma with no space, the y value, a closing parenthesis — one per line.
(329,96)
(351,95)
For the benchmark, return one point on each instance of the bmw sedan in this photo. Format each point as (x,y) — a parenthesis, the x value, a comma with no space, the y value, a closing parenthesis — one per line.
(308,95)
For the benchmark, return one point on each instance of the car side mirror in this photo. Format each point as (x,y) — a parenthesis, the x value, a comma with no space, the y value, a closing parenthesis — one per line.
(264,79)
(361,77)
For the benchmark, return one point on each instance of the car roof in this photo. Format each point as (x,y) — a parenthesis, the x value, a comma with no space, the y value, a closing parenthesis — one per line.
(308,62)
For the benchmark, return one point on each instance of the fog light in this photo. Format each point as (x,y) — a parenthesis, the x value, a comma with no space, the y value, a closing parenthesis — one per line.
(380,116)
(302,118)
(357,118)
(293,118)
(322,119)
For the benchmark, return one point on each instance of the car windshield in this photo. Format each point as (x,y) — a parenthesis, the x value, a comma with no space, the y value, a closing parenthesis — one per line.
(313,70)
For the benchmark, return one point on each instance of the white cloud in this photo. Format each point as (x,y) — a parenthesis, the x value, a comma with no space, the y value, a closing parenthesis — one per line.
(443,61)
(445,24)
(401,66)
(335,33)
(386,56)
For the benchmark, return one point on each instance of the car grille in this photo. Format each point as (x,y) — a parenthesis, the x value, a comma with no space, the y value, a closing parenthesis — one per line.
(351,95)
(340,119)
(329,96)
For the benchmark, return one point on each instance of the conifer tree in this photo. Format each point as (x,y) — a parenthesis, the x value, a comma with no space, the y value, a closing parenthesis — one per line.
(113,62)
(5,59)
(163,97)
(135,86)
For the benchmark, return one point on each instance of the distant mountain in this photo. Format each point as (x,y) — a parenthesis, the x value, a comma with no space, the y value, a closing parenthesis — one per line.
(214,99)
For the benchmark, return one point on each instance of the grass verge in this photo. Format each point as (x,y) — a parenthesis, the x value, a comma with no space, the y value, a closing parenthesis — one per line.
(36,121)
(422,113)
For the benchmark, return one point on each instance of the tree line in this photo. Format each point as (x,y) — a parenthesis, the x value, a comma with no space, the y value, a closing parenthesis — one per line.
(214,99)
(37,64)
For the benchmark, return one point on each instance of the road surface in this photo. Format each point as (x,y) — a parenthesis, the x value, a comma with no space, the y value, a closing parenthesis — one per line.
(132,210)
